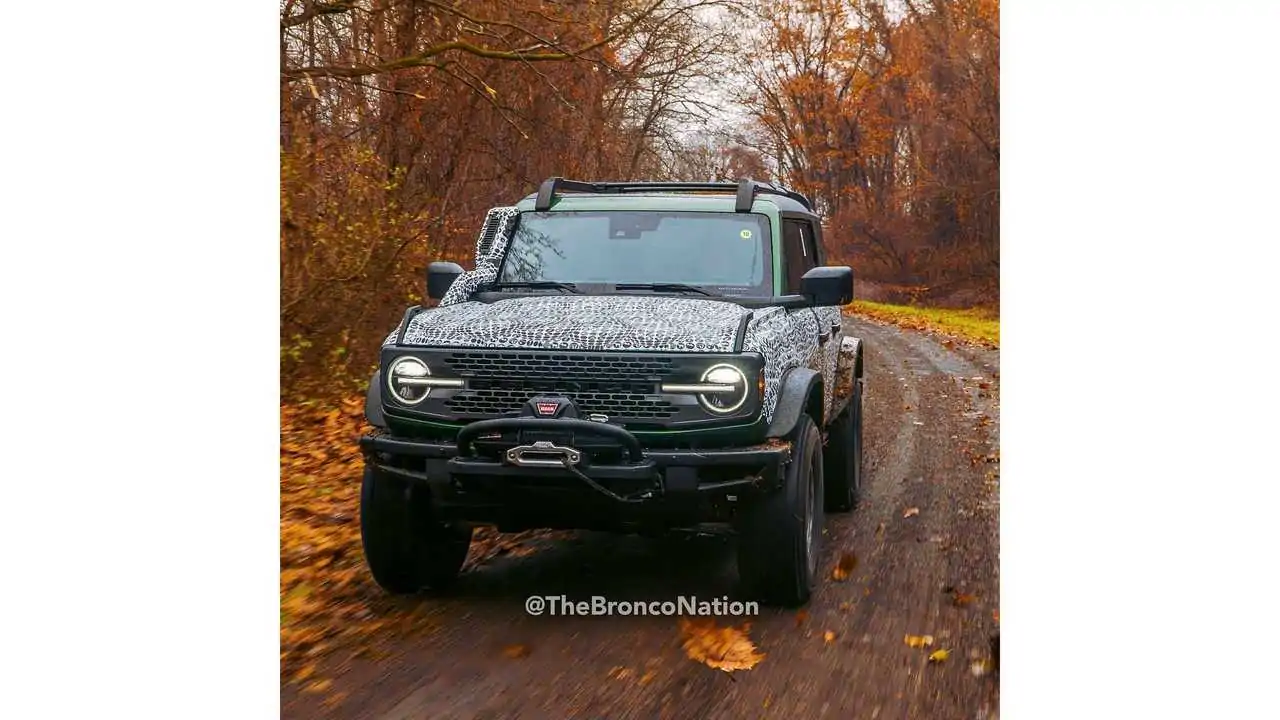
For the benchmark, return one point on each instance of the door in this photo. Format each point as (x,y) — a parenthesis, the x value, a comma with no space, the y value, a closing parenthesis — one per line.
(800,255)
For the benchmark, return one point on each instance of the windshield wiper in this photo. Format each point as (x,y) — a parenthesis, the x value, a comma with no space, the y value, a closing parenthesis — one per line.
(663,287)
(533,285)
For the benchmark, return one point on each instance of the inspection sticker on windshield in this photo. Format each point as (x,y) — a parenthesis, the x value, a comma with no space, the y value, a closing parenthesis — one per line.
(745,234)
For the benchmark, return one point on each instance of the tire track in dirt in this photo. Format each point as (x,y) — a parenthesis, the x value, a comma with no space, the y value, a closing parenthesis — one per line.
(923,413)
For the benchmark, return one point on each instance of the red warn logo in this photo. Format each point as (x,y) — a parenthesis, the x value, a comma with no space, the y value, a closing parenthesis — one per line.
(546,408)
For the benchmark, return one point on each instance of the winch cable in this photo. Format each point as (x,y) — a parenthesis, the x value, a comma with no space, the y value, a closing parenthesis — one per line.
(597,486)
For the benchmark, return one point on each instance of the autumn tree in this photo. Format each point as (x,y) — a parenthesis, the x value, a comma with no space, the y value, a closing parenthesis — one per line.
(402,121)
(888,115)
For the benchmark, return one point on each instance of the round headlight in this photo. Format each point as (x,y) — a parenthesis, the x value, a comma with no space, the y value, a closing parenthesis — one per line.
(401,376)
(730,396)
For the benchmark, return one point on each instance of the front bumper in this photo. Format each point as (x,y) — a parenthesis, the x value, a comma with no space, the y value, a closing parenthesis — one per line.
(512,471)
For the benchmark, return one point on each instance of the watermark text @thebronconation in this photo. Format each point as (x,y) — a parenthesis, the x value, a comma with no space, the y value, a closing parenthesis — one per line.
(562,605)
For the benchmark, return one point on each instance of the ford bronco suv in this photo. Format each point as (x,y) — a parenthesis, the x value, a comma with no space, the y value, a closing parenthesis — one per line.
(629,357)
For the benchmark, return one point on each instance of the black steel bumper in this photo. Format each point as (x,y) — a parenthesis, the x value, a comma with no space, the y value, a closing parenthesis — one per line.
(499,461)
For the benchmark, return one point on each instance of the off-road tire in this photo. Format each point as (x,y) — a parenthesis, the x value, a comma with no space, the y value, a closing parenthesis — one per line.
(842,458)
(405,548)
(780,534)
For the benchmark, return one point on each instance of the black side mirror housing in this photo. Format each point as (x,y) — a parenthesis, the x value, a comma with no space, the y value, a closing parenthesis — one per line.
(828,285)
(440,276)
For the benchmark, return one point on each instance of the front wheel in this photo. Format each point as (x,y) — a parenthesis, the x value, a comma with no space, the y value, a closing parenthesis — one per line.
(780,535)
(405,548)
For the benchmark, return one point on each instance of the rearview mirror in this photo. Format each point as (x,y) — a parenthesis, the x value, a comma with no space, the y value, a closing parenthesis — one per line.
(440,276)
(828,285)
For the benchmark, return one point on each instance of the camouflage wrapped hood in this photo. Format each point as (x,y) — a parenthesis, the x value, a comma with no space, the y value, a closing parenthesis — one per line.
(576,322)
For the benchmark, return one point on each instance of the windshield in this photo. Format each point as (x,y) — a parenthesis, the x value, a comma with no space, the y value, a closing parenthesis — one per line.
(720,252)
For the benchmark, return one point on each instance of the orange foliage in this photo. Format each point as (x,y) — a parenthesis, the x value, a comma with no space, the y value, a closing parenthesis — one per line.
(891,122)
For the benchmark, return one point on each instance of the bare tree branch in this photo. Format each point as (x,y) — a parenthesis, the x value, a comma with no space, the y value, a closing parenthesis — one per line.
(425,57)
(314,10)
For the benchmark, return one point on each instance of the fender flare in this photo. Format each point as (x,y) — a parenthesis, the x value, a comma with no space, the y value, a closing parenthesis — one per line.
(849,361)
(794,396)
(373,403)
(855,346)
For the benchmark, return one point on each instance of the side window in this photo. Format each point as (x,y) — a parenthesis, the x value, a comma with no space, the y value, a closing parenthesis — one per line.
(799,253)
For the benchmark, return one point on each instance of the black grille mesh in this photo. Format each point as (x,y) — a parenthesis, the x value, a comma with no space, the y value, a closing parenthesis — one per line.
(618,386)
(586,367)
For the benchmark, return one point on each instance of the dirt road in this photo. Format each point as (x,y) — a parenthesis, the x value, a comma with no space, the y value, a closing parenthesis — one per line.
(932,444)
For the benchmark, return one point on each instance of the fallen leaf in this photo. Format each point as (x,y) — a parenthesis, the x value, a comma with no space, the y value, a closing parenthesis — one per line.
(938,656)
(911,512)
(979,668)
(647,677)
(318,686)
(516,651)
(848,561)
(845,606)
(960,599)
(722,648)
(801,616)
(917,641)
(335,699)
(305,673)
(829,636)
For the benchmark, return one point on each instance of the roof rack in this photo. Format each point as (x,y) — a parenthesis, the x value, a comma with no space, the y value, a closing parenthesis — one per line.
(746,190)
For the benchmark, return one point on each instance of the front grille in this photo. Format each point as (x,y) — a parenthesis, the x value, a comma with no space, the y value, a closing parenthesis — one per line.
(486,364)
(500,383)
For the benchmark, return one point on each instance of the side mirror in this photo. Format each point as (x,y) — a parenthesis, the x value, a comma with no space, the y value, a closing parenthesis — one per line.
(828,285)
(440,275)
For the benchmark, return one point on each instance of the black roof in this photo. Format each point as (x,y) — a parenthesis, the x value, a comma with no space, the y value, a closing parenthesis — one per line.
(744,190)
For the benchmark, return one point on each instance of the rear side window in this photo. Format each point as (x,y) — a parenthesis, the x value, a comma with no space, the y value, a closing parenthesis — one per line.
(799,253)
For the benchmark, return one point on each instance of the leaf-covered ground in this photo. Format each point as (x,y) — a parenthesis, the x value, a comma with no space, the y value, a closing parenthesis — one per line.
(327,597)
(330,607)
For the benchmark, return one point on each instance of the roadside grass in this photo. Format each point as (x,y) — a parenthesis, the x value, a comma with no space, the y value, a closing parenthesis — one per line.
(974,324)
